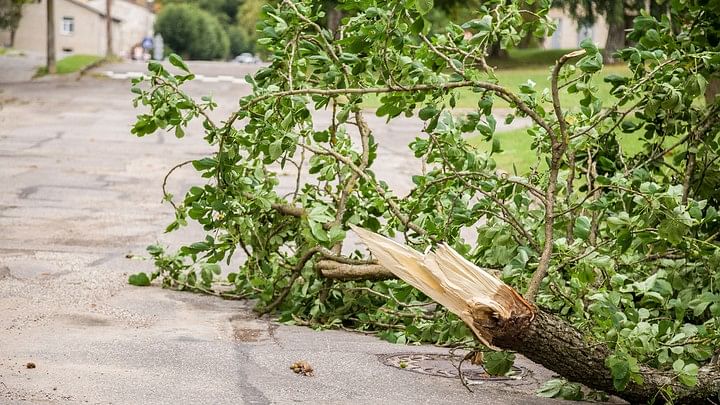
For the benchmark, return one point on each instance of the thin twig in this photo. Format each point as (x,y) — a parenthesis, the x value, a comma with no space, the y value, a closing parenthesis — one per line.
(165,179)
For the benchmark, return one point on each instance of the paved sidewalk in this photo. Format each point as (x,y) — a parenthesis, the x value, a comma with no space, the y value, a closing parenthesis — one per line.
(79,194)
(17,66)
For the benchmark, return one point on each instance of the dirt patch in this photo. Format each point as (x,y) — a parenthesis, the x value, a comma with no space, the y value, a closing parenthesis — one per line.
(247,335)
(86,320)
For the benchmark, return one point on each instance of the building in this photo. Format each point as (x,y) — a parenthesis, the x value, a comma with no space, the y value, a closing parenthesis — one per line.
(80,27)
(136,23)
(569,33)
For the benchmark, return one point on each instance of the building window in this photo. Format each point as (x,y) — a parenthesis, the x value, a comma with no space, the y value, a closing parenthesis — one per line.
(68,25)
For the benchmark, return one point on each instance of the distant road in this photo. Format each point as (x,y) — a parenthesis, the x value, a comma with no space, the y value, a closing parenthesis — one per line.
(205,71)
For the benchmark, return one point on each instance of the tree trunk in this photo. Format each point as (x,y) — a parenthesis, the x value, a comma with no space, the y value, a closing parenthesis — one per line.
(552,342)
(496,52)
(615,39)
(12,37)
(349,272)
(334,15)
(712,90)
(108,28)
(51,68)
(501,318)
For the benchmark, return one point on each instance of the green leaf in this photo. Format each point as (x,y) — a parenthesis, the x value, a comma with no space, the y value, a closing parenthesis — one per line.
(204,164)
(155,67)
(498,363)
(212,267)
(582,227)
(423,6)
(551,388)
(589,46)
(590,63)
(672,230)
(319,214)
(275,150)
(177,61)
(496,146)
(427,112)
(139,279)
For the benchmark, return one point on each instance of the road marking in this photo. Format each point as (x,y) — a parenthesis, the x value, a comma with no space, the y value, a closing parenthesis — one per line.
(201,78)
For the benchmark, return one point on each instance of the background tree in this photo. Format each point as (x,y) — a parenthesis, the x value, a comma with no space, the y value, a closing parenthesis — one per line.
(10,15)
(240,41)
(224,10)
(192,32)
(618,15)
(247,17)
(616,253)
(108,29)
(50,49)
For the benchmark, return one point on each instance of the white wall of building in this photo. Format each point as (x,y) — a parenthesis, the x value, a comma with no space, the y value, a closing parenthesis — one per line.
(137,22)
(569,34)
(131,24)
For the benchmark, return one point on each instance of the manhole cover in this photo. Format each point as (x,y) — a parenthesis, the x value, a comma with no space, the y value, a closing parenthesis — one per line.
(444,365)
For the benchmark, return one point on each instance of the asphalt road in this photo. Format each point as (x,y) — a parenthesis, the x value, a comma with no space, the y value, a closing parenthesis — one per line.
(79,194)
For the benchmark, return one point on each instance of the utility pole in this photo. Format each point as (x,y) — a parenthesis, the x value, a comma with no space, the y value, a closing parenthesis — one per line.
(108,28)
(51,36)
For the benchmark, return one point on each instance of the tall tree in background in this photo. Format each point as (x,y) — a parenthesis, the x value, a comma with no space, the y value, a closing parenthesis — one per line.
(108,28)
(618,15)
(10,15)
(192,32)
(51,36)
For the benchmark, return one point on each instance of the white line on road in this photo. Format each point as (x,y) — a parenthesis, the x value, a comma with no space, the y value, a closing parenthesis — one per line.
(202,78)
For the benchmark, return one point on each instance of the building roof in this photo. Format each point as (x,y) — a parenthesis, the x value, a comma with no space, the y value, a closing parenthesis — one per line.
(97,11)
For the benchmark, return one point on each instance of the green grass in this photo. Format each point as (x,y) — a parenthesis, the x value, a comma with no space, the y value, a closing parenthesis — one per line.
(512,78)
(3,50)
(517,155)
(519,58)
(72,64)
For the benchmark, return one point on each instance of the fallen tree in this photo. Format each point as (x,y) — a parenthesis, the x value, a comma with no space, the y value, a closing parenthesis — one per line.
(499,316)
(615,251)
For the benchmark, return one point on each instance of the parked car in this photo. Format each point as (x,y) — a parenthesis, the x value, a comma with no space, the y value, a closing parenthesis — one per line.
(247,58)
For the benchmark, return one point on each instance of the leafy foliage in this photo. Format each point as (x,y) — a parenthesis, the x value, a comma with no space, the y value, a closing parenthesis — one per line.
(10,13)
(192,32)
(240,41)
(623,247)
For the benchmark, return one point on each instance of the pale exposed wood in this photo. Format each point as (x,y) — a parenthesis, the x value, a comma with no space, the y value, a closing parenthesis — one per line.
(499,316)
(348,272)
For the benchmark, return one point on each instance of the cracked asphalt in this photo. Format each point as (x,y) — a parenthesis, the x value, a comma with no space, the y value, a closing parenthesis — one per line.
(79,194)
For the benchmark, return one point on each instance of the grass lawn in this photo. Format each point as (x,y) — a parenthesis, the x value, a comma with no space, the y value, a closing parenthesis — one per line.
(517,155)
(71,64)
(521,66)
(529,57)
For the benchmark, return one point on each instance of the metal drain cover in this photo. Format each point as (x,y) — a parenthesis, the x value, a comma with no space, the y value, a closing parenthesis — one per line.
(444,365)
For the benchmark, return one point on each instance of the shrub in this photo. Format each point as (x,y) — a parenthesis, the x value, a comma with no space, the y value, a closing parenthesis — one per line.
(239,41)
(192,32)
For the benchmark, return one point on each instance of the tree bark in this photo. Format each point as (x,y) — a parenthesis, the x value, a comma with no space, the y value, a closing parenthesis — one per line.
(349,272)
(552,342)
(496,52)
(615,39)
(334,15)
(51,68)
(712,90)
(108,28)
